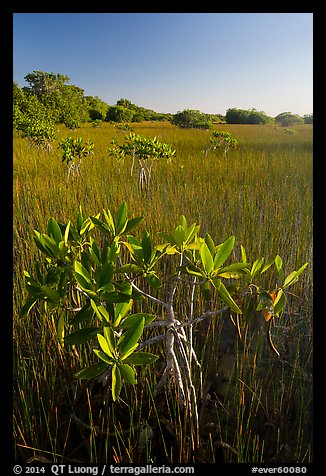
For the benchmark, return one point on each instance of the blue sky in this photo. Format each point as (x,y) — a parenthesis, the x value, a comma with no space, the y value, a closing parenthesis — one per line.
(174,61)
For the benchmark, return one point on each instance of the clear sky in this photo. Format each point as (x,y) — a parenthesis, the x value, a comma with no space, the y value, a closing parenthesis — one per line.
(174,61)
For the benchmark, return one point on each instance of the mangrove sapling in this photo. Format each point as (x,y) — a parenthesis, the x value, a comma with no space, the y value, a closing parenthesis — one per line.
(73,151)
(221,139)
(125,127)
(97,123)
(107,279)
(72,123)
(143,150)
(40,132)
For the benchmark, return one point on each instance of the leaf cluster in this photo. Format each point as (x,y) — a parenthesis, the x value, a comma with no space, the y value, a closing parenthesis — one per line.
(142,148)
(75,149)
(104,279)
(224,139)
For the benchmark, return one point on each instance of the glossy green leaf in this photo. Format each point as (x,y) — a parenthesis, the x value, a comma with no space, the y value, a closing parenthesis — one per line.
(110,339)
(131,337)
(278,262)
(133,223)
(171,250)
(267,266)
(233,271)
(183,222)
(168,237)
(80,219)
(130,351)
(129,268)
(73,233)
(136,252)
(99,223)
(51,245)
(179,235)
(50,294)
(82,271)
(83,283)
(127,373)
(61,328)
(133,318)
(225,295)
(54,230)
(84,315)
(193,270)
(223,252)
(280,301)
(134,242)
(243,254)
(29,304)
(115,297)
(228,274)
(210,243)
(105,345)
(206,258)
(63,248)
(66,234)
(100,311)
(116,382)
(92,371)
(91,294)
(82,335)
(141,358)
(106,275)
(191,232)
(86,226)
(40,243)
(122,309)
(109,220)
(279,266)
(256,267)
(192,246)
(293,277)
(103,356)
(124,287)
(96,254)
(121,218)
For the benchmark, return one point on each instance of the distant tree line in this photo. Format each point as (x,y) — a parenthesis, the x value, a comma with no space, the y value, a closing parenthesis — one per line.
(48,96)
(252,116)
(126,111)
(50,100)
(195,119)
